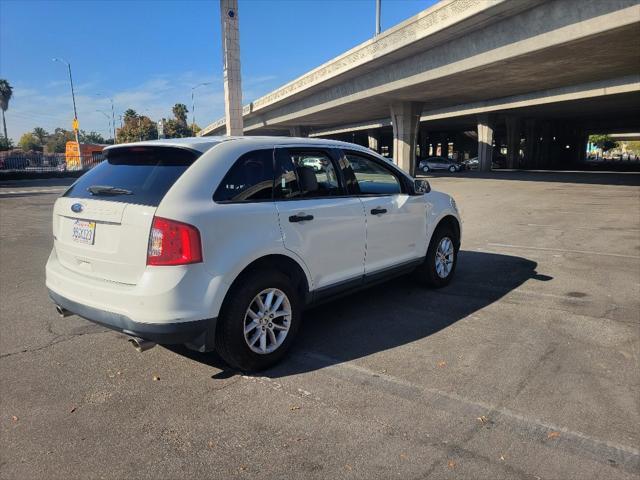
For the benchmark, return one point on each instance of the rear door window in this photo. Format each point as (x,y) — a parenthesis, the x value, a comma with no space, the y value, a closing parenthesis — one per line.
(303,173)
(250,179)
(140,175)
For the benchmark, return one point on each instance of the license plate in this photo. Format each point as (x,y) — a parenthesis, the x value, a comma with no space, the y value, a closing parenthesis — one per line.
(83,232)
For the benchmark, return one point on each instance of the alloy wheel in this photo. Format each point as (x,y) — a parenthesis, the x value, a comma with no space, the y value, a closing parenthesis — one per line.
(444,257)
(267,321)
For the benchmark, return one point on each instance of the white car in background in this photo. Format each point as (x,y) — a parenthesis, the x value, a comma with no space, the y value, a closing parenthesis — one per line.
(220,243)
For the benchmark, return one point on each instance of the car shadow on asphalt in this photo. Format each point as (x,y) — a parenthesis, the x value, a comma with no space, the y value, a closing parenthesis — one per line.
(392,314)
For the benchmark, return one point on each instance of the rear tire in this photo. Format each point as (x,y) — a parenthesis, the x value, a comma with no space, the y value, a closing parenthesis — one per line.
(438,269)
(231,341)
(452,169)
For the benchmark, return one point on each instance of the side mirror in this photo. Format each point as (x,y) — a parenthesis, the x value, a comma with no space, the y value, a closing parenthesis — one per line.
(421,186)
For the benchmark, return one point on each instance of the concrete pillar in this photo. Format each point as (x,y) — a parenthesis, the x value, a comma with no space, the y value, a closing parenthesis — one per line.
(513,141)
(231,67)
(583,140)
(544,150)
(485,142)
(531,141)
(423,139)
(405,117)
(298,131)
(373,139)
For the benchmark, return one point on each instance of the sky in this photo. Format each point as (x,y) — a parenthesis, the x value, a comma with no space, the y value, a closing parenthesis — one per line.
(147,55)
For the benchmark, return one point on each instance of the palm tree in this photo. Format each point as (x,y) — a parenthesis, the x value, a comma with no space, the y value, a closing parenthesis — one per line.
(5,95)
(41,134)
(180,112)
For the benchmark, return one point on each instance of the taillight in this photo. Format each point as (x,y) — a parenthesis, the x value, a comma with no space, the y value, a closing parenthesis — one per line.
(173,243)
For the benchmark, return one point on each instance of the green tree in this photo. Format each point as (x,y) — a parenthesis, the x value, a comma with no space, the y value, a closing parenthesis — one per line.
(180,112)
(178,128)
(136,128)
(5,144)
(57,141)
(604,142)
(29,141)
(41,134)
(91,137)
(6,91)
(129,114)
(175,129)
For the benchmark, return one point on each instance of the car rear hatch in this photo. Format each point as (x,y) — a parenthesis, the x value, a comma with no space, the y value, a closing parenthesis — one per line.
(101,224)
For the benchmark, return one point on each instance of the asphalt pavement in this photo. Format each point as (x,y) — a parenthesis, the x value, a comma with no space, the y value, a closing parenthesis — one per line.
(525,367)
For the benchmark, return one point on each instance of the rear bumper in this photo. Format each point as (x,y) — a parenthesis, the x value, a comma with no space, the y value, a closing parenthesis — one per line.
(194,333)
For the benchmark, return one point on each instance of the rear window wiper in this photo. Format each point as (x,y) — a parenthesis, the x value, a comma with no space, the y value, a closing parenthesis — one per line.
(108,190)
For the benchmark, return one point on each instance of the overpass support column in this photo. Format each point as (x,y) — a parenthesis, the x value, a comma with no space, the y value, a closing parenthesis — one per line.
(531,143)
(405,117)
(485,142)
(373,140)
(513,141)
(297,131)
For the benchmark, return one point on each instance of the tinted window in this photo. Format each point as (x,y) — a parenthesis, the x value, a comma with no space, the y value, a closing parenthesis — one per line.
(305,174)
(372,177)
(250,178)
(141,175)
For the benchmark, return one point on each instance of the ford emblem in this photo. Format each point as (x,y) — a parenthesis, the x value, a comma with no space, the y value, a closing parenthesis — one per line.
(77,207)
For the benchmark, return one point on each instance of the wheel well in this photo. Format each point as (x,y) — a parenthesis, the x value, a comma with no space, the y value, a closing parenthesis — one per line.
(284,264)
(451,222)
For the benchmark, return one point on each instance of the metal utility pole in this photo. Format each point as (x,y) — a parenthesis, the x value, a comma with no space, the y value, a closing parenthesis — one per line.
(231,67)
(193,107)
(106,115)
(76,125)
(113,116)
(378,8)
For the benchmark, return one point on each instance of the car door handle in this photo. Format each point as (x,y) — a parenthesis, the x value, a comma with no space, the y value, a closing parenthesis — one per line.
(300,218)
(378,211)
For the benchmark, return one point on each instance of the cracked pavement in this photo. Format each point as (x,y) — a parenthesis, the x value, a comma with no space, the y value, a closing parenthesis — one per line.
(526,366)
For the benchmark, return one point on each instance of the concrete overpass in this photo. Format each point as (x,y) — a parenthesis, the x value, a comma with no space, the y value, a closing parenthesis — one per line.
(535,76)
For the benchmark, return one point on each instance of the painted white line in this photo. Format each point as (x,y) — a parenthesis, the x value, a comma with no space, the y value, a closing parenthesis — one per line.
(562,250)
(556,227)
(27,192)
(448,400)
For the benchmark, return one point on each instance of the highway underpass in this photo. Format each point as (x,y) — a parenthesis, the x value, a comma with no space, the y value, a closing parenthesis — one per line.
(531,77)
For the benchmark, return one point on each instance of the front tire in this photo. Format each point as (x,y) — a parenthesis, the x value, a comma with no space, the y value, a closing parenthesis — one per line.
(425,169)
(452,169)
(439,265)
(258,321)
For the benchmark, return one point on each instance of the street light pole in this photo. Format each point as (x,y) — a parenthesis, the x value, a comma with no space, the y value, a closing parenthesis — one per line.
(76,126)
(107,117)
(113,116)
(193,106)
(378,11)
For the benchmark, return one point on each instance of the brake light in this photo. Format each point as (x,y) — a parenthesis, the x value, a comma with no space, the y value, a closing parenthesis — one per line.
(173,243)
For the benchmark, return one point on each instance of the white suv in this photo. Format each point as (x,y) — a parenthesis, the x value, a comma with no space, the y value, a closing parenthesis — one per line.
(220,243)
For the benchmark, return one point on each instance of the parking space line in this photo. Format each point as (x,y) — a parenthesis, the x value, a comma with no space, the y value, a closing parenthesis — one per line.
(601,451)
(562,250)
(557,227)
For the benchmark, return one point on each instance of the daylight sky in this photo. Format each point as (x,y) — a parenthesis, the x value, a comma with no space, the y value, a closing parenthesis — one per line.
(147,55)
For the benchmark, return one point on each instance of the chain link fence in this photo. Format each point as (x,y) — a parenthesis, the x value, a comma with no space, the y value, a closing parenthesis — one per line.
(25,164)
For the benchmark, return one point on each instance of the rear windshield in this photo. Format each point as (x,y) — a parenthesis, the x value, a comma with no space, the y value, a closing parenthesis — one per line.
(141,175)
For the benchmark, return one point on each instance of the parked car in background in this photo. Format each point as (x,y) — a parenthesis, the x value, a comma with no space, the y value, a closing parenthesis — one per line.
(471,163)
(439,163)
(219,243)
(315,163)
